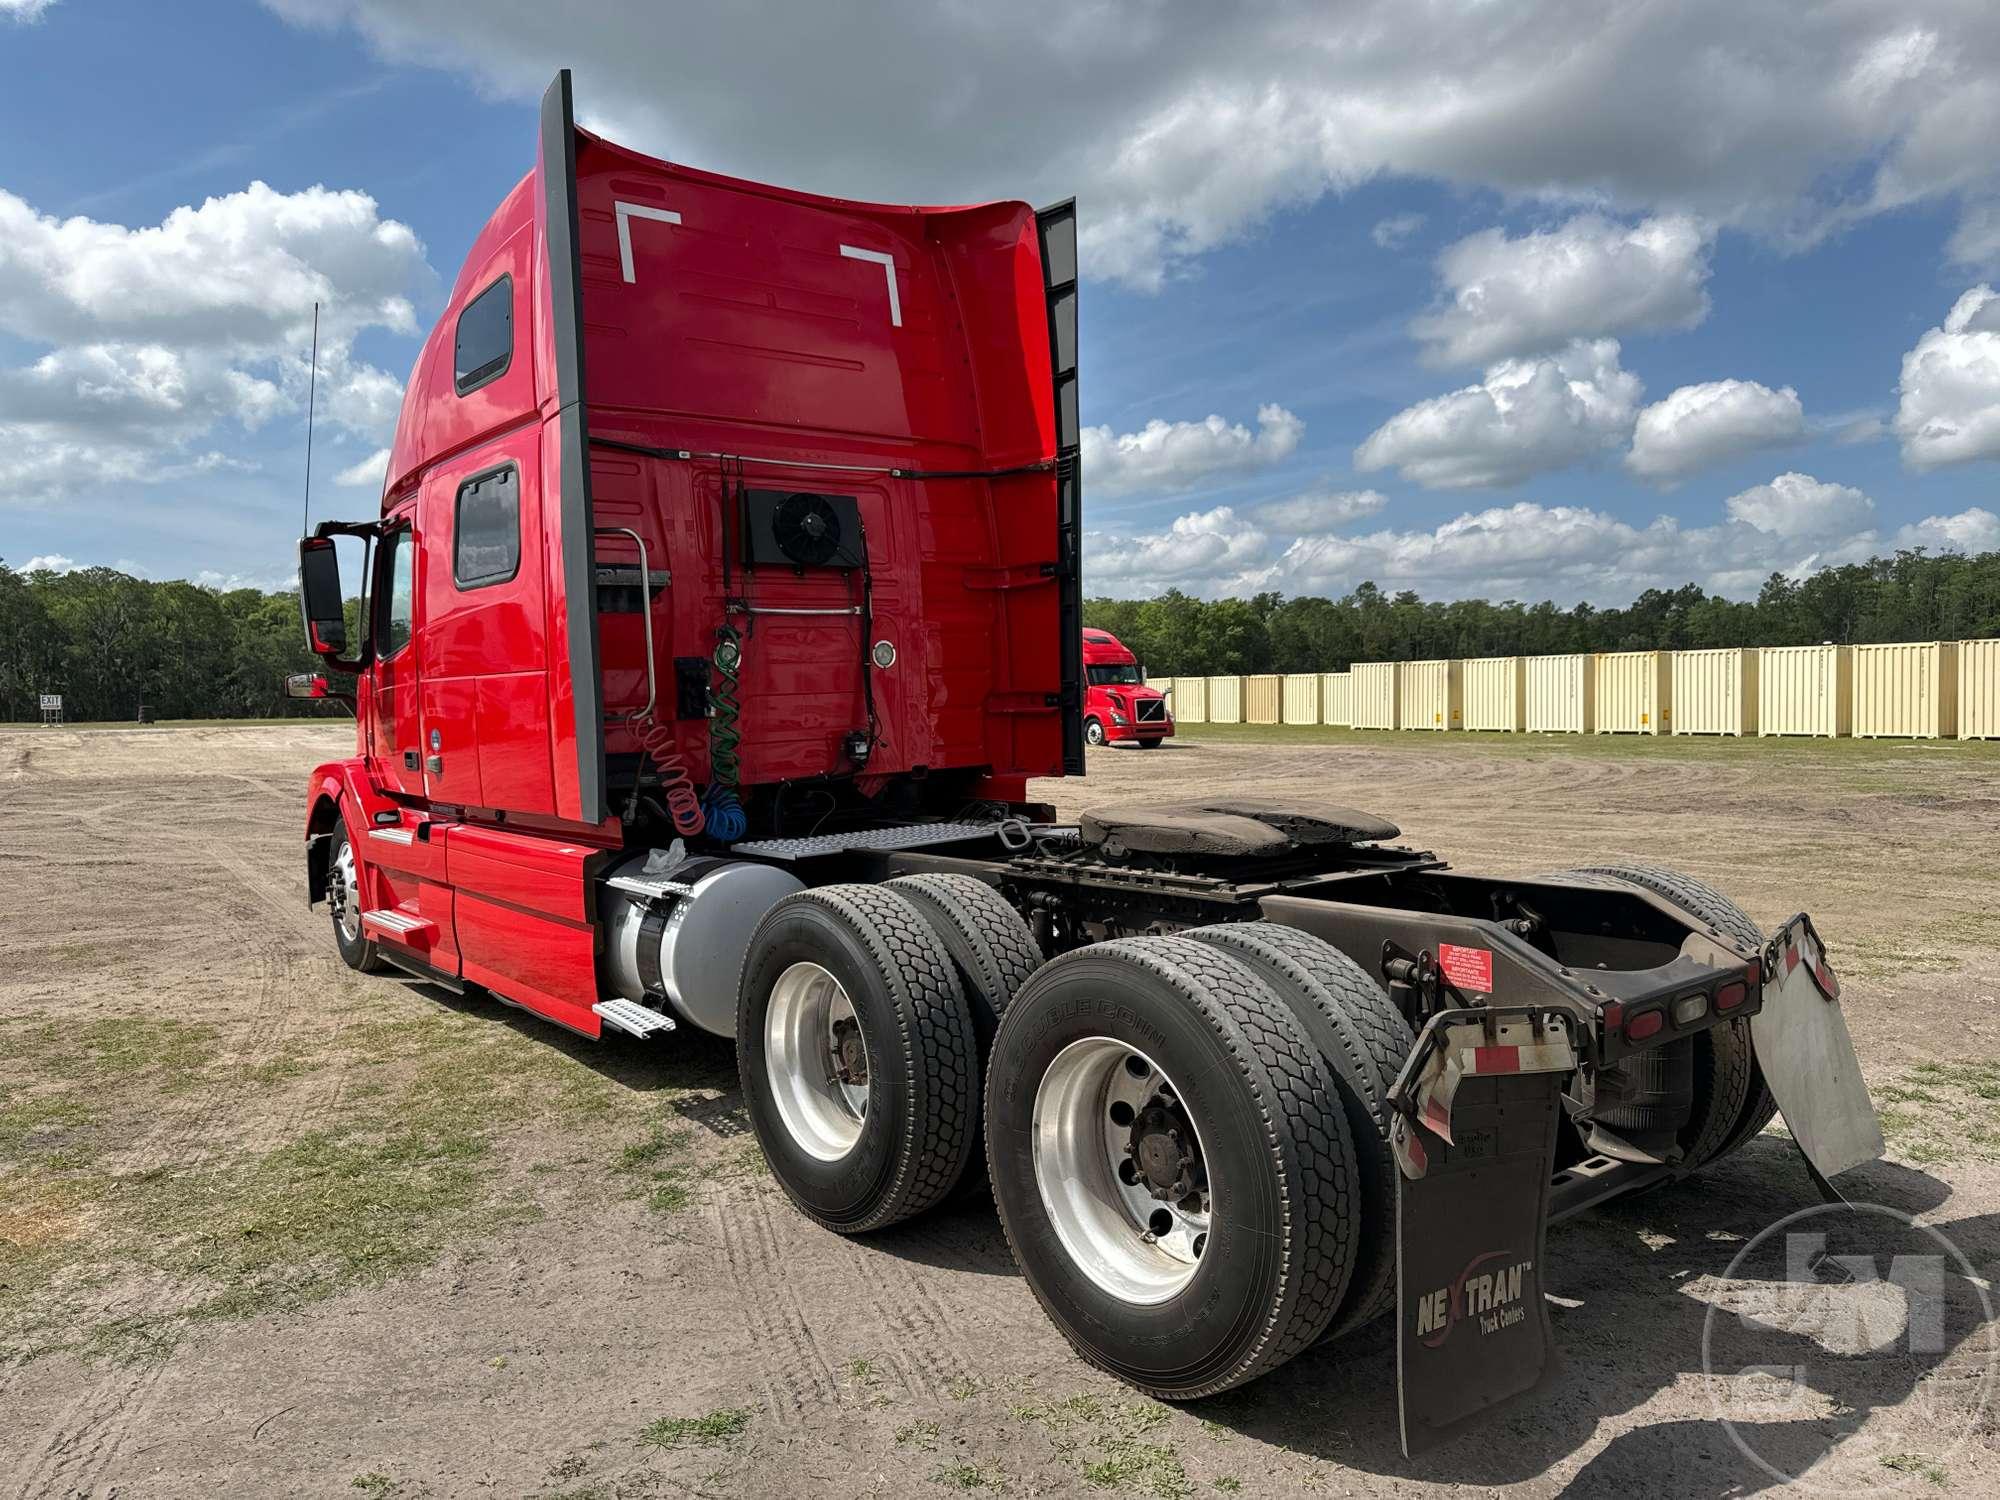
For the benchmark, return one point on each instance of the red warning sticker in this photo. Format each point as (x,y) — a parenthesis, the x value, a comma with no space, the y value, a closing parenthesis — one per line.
(1468,969)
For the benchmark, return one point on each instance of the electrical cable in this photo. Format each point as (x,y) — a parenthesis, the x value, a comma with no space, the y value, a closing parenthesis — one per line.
(726,820)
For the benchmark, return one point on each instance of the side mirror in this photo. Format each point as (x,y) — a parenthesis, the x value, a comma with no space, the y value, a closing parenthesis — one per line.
(307,685)
(322,602)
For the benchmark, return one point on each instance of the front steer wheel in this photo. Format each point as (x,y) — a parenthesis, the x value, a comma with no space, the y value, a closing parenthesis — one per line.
(859,1060)
(1171,1164)
(343,900)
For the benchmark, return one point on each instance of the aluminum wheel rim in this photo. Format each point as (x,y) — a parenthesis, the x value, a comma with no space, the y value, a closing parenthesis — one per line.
(340,893)
(1131,1243)
(812,1037)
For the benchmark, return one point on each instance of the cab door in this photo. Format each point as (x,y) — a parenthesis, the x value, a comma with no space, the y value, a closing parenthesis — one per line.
(398,693)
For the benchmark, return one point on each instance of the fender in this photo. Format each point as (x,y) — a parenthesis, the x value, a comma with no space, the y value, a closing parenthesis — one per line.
(335,788)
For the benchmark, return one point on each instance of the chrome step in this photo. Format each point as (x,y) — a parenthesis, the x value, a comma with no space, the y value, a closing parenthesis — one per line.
(394,922)
(631,1017)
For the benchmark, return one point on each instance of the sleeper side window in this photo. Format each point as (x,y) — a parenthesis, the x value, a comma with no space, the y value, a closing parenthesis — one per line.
(485,337)
(486,531)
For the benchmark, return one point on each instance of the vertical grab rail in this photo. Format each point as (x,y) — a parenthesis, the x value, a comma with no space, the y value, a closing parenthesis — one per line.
(646,615)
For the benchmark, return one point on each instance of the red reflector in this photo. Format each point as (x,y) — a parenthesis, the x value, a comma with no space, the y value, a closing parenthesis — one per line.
(1730,996)
(1496,1059)
(1645,1024)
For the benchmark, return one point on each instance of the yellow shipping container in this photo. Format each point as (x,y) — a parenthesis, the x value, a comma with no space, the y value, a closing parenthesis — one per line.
(1715,692)
(1805,690)
(1374,701)
(1634,691)
(1336,699)
(1496,694)
(1432,695)
(1301,705)
(1187,699)
(1225,700)
(1908,690)
(1979,690)
(1561,694)
(1261,696)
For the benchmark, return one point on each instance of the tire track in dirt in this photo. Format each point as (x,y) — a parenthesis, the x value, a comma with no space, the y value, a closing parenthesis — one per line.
(794,1372)
(923,1335)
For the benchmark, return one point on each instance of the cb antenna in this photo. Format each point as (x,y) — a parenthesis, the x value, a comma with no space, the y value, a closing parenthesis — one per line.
(312,393)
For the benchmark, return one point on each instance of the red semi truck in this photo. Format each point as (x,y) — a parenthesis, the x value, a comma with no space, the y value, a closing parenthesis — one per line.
(1118,707)
(722,600)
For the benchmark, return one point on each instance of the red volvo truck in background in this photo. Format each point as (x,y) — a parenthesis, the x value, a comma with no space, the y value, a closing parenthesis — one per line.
(1118,707)
(722,601)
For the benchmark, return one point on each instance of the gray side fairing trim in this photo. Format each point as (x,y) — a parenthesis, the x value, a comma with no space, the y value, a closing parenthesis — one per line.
(579,574)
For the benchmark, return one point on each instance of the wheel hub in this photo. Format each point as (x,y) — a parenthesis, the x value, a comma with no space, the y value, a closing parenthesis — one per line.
(1163,1152)
(850,1053)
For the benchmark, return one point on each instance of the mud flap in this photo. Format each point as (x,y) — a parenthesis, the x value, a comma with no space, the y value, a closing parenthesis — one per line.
(1802,1044)
(1472,1199)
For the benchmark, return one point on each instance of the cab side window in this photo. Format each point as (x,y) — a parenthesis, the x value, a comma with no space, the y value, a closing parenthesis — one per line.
(399,598)
(485,337)
(486,530)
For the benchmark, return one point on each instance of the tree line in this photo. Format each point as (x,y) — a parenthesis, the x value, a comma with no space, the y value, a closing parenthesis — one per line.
(1912,596)
(109,643)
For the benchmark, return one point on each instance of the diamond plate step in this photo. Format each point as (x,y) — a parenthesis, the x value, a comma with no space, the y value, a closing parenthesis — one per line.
(910,836)
(632,1018)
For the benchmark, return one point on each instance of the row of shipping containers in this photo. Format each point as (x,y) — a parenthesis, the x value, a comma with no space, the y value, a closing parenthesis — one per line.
(1906,690)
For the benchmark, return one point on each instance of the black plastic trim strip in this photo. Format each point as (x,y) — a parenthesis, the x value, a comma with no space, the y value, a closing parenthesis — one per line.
(579,547)
(1069,495)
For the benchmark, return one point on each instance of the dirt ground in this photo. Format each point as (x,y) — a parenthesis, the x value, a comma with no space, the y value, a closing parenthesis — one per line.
(271,1228)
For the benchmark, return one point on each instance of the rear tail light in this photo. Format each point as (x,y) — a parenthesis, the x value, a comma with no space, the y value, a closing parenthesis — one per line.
(1689,1009)
(1646,1024)
(1731,995)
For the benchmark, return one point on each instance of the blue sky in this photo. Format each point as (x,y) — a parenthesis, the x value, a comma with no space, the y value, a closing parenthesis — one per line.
(1461,302)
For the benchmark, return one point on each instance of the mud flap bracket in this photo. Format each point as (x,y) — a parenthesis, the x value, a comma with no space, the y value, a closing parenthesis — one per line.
(1475,1139)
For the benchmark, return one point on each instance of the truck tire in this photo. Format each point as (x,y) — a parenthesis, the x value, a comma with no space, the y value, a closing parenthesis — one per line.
(1170,1165)
(1732,1103)
(1093,732)
(994,952)
(858,1055)
(1364,1040)
(343,900)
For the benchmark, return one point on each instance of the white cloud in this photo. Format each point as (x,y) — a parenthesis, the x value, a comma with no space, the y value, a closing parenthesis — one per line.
(1179,455)
(1973,530)
(1950,388)
(368,473)
(1585,279)
(53,562)
(1698,426)
(1798,505)
(1318,511)
(25,10)
(1526,417)
(1183,124)
(1794,524)
(1203,545)
(158,337)
(1392,233)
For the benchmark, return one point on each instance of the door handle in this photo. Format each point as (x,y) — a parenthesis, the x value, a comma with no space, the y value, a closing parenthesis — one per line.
(409,760)
(434,764)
